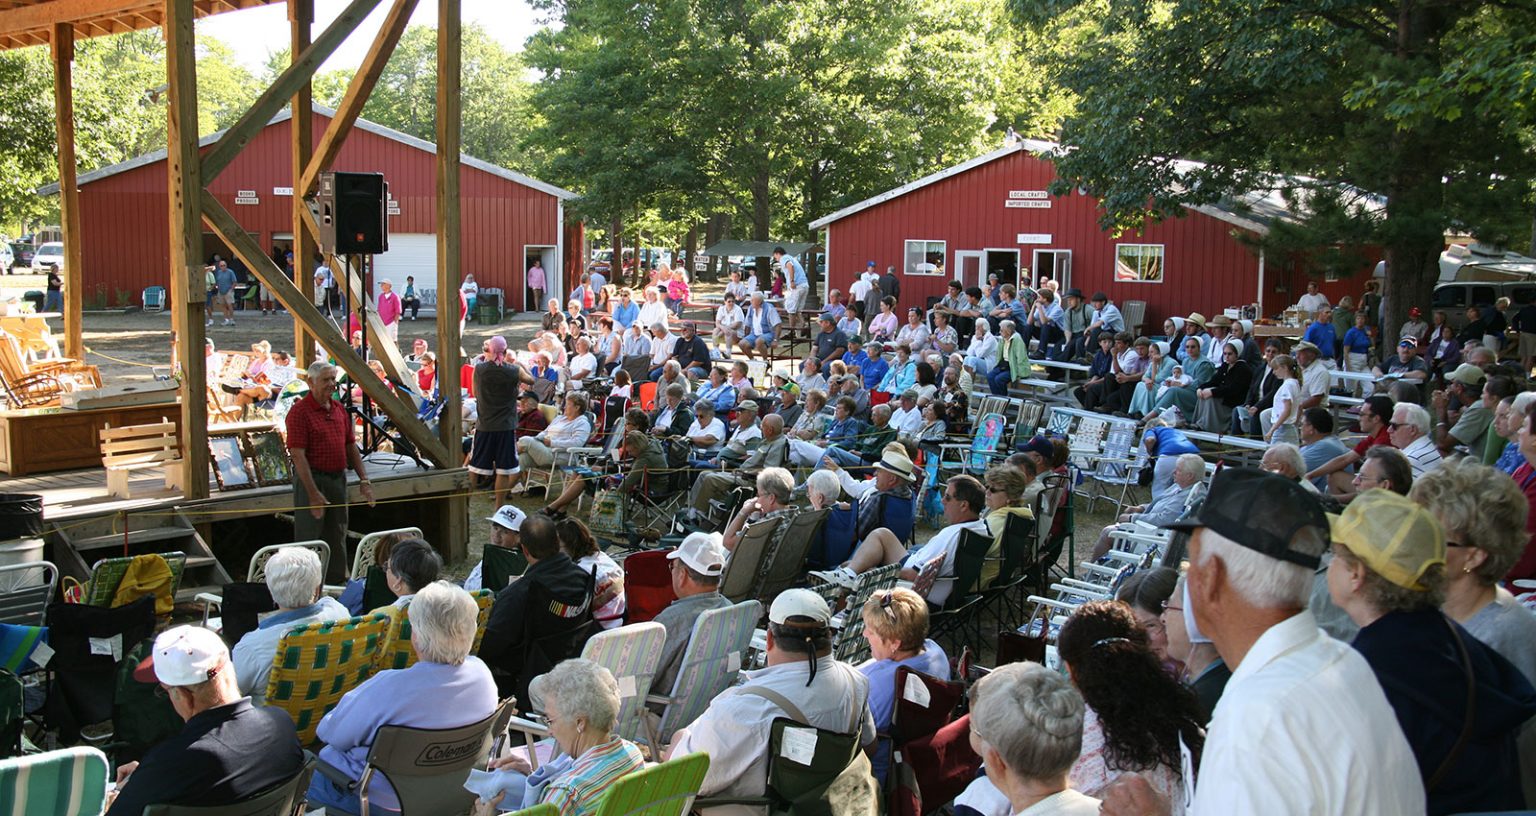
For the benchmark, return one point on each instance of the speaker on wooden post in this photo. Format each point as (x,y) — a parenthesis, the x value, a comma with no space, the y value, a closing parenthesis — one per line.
(352,213)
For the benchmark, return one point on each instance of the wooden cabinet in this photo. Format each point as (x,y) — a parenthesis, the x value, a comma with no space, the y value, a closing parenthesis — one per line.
(40,440)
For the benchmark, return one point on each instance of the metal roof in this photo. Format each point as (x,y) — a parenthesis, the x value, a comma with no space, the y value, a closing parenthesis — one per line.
(362,124)
(25,23)
(1253,211)
(754,249)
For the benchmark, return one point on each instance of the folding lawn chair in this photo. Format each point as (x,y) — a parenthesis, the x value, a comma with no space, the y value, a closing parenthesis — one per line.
(715,654)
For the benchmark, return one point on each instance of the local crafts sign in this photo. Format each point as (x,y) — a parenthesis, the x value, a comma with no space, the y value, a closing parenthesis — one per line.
(1028,200)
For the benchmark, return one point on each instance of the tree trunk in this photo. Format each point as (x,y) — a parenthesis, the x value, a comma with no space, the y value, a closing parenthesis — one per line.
(762,211)
(616,243)
(715,230)
(690,247)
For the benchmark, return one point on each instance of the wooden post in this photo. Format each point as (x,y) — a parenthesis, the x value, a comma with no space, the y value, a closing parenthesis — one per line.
(301,16)
(187,294)
(63,48)
(455,537)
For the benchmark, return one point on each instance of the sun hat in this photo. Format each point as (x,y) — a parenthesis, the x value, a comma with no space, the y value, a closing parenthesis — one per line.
(896,463)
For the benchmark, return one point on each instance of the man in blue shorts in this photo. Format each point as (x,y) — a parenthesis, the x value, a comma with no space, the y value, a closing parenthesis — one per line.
(498,381)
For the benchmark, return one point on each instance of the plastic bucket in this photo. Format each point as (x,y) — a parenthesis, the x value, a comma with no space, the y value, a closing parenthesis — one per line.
(21,515)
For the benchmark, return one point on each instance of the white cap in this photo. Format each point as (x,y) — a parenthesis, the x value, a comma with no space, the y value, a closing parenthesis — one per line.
(703,553)
(184,656)
(509,516)
(799,603)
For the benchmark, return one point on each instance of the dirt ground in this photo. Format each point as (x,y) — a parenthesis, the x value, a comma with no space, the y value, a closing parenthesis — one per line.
(127,346)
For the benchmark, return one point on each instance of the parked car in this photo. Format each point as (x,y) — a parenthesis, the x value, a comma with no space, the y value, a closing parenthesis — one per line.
(49,255)
(21,255)
(1454,298)
(7,258)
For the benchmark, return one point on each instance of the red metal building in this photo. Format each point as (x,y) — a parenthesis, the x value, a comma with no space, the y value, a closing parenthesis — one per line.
(993,213)
(509,219)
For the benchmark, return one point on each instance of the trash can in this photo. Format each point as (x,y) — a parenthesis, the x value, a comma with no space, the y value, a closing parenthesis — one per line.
(36,298)
(21,534)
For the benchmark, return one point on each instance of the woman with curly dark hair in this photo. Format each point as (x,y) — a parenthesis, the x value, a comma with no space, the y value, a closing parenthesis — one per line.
(1137,712)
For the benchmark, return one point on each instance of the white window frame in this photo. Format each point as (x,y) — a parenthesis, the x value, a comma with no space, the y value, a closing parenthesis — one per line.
(1162,250)
(943,253)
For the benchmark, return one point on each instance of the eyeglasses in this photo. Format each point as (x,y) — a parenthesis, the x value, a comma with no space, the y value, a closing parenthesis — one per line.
(1168,607)
(885,603)
(995,489)
(162,692)
(949,497)
(1459,544)
(1395,425)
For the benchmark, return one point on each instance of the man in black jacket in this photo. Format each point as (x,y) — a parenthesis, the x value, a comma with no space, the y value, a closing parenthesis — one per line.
(540,619)
(692,353)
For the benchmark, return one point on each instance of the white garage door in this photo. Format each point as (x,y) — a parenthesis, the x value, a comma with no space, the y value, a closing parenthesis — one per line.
(409,254)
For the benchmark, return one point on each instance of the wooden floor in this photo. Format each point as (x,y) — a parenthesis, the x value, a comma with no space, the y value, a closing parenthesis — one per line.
(78,494)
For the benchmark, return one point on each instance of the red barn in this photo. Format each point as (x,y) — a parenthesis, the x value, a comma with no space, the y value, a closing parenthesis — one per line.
(509,219)
(993,214)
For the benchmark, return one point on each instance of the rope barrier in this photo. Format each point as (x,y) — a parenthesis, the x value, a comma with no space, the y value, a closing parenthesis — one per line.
(89,350)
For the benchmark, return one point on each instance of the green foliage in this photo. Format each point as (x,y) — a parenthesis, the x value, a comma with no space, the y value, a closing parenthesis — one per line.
(1426,105)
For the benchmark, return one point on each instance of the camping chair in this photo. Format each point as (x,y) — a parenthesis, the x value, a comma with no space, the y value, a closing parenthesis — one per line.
(850,646)
(89,643)
(107,575)
(963,604)
(980,453)
(631,653)
(499,566)
(427,767)
(651,511)
(153,299)
(740,577)
(399,653)
(1028,422)
(317,663)
(285,799)
(1120,465)
(66,782)
(141,718)
(25,592)
(1019,560)
(645,392)
(784,564)
(929,771)
(647,585)
(667,789)
(715,653)
(13,715)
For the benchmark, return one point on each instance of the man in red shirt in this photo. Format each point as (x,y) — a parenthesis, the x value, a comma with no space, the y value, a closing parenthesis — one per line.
(322,446)
(1375,413)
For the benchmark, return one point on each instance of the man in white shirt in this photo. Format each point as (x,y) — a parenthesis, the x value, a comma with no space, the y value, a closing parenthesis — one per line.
(707,432)
(663,343)
(729,322)
(1312,301)
(1315,379)
(802,681)
(907,419)
(1303,726)
(762,322)
(1409,431)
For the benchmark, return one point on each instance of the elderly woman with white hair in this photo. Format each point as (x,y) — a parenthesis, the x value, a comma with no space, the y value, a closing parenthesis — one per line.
(1188,470)
(445,688)
(581,702)
(294,579)
(1027,726)
(982,355)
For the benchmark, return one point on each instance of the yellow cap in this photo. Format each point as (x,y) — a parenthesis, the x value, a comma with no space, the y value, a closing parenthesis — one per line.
(1396,537)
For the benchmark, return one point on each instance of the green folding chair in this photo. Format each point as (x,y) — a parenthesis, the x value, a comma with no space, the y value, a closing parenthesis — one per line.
(501,564)
(66,782)
(317,663)
(667,789)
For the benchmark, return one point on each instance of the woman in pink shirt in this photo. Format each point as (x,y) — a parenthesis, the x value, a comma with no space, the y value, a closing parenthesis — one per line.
(390,309)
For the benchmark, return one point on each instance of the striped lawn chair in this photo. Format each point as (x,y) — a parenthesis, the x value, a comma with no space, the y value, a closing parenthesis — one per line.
(317,663)
(107,574)
(397,651)
(67,782)
(716,652)
(667,789)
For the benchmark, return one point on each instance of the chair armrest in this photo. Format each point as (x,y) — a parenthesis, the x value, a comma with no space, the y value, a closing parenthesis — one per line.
(210,600)
(335,774)
(1053,603)
(528,727)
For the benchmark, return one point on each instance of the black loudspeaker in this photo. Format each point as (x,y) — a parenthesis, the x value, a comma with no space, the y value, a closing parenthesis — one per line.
(352,213)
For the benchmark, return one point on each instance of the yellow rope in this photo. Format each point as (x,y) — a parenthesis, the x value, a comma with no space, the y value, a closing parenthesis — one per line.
(89,350)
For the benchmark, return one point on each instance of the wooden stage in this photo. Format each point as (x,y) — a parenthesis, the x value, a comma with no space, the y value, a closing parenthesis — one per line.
(83,523)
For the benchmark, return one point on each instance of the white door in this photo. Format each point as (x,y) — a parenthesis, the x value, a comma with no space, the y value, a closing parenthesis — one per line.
(969,266)
(409,254)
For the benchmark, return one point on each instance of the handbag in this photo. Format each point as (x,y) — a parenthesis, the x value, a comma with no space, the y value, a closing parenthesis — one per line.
(1027,643)
(607,517)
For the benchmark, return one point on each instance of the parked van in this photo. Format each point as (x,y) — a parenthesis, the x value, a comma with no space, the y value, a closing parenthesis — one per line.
(1454,298)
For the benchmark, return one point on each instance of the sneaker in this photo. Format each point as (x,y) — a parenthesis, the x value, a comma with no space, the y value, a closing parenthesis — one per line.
(209,323)
(229,322)
(842,576)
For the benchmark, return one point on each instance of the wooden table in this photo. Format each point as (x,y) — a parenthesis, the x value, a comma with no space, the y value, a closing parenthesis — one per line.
(39,440)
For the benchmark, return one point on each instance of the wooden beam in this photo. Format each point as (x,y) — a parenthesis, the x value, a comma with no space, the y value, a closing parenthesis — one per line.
(358,90)
(388,351)
(298,304)
(63,51)
(284,87)
(187,294)
(450,110)
(56,12)
(301,17)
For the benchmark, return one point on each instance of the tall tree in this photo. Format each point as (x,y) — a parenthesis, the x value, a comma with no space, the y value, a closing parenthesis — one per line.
(1368,115)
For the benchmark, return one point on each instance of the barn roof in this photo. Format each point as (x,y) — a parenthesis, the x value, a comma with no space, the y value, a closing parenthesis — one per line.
(26,23)
(362,124)
(1254,211)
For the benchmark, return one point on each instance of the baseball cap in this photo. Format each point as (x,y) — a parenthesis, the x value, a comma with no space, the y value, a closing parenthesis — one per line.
(1260,511)
(1395,536)
(1467,374)
(1414,312)
(183,656)
(801,603)
(827,316)
(1408,342)
(855,340)
(748,405)
(1040,445)
(509,516)
(790,386)
(703,553)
